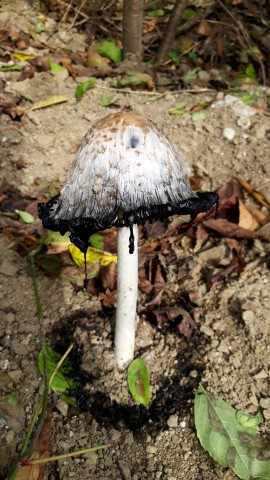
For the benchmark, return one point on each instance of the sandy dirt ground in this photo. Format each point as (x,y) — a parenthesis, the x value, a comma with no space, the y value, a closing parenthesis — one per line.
(230,353)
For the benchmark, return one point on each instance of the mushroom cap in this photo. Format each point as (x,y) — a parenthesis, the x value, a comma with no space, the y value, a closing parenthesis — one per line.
(125,162)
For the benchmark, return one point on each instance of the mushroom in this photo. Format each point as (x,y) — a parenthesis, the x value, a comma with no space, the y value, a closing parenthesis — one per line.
(125,172)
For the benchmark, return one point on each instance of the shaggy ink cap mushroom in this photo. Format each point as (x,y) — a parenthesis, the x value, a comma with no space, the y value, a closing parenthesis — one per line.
(125,172)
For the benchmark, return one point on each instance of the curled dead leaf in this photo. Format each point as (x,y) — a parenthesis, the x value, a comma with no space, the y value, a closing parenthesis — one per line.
(246,219)
(228,229)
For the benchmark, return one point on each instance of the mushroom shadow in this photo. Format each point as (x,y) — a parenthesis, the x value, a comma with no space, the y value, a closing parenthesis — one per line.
(174,397)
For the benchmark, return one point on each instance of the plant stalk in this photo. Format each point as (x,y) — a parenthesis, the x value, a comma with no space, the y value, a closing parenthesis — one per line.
(127,289)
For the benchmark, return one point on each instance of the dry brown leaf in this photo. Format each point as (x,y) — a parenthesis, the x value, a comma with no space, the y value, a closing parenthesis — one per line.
(156,300)
(95,60)
(230,190)
(228,229)
(29,472)
(204,29)
(246,219)
(108,276)
(145,286)
(259,197)
(232,271)
(108,298)
(202,236)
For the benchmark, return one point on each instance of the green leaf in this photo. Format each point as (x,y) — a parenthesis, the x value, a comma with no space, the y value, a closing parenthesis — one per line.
(175,56)
(248,420)
(159,12)
(13,399)
(96,241)
(135,79)
(188,14)
(109,49)
(107,99)
(25,216)
(84,86)
(191,75)
(248,98)
(65,377)
(250,72)
(198,116)
(231,437)
(179,109)
(193,57)
(55,67)
(10,68)
(138,381)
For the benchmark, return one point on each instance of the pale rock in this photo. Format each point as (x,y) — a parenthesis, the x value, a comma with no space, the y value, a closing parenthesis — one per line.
(125,470)
(261,375)
(150,449)
(236,104)
(7,268)
(228,133)
(259,130)
(172,421)
(62,407)
(265,403)
(243,122)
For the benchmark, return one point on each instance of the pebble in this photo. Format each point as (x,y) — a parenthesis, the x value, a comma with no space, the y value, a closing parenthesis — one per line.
(9,436)
(125,470)
(150,449)
(172,421)
(236,104)
(206,330)
(243,122)
(7,268)
(228,133)
(214,254)
(261,375)
(258,130)
(62,407)
(265,403)
(266,414)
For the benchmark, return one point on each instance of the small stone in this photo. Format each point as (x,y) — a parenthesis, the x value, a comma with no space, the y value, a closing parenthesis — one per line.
(125,470)
(183,424)
(150,449)
(214,254)
(243,122)
(115,436)
(62,407)
(228,133)
(265,403)
(7,268)
(253,399)
(261,375)
(204,76)
(266,414)
(258,131)
(97,188)
(15,375)
(9,436)
(172,421)
(207,330)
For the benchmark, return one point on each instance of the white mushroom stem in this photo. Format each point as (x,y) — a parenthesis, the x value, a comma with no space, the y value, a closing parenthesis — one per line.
(127,289)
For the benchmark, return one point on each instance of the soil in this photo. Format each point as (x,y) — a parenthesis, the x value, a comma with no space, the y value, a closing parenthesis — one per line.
(230,352)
